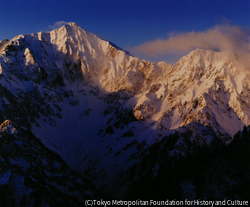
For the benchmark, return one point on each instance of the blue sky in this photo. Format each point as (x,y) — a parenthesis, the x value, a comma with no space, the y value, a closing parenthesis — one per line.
(127,23)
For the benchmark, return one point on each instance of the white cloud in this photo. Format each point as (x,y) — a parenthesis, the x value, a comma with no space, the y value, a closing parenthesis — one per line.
(219,38)
(58,24)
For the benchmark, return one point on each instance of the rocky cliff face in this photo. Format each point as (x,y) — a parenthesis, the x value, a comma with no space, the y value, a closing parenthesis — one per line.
(101,109)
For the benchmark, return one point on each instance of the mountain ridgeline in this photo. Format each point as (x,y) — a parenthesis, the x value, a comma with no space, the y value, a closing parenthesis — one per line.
(133,128)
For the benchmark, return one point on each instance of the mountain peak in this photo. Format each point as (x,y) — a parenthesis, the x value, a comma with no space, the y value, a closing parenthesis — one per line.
(69,29)
(203,58)
(73,24)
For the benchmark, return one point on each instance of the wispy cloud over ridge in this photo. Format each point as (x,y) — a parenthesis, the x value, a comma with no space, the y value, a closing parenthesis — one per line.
(58,24)
(223,38)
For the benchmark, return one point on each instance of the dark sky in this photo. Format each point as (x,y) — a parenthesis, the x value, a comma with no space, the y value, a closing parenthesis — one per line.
(127,23)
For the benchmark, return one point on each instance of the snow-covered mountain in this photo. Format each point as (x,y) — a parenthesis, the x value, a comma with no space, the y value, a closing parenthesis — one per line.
(102,110)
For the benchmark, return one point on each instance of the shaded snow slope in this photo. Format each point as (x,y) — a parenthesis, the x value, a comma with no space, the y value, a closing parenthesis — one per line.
(32,175)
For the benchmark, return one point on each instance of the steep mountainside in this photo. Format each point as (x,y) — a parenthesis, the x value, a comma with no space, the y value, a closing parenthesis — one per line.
(33,175)
(101,109)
